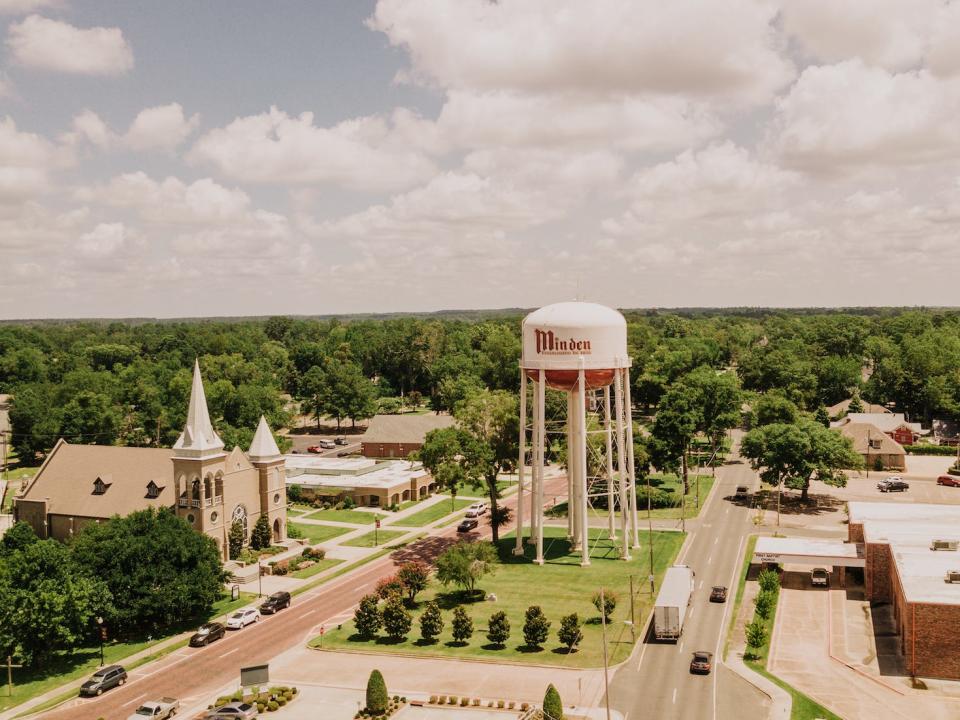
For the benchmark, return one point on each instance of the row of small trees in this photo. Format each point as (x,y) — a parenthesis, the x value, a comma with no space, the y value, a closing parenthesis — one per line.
(764,602)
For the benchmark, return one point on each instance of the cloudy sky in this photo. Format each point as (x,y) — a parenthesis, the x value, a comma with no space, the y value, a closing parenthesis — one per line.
(233,157)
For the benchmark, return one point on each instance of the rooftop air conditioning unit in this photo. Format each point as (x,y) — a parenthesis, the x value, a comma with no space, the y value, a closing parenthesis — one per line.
(944,545)
(953,576)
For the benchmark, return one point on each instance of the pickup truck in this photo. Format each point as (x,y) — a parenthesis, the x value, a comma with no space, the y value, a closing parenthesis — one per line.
(157,709)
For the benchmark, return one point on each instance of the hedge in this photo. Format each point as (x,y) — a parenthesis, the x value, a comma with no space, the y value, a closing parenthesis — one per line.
(930,450)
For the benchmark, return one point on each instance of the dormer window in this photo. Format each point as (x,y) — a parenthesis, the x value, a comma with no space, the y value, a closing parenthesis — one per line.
(874,444)
(153,490)
(100,487)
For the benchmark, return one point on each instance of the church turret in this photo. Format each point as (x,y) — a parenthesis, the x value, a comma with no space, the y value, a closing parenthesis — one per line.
(265,456)
(198,440)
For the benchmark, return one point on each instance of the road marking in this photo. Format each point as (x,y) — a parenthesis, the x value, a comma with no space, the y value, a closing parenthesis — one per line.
(229,652)
(309,612)
(674,696)
(728,510)
(680,647)
(692,611)
(710,559)
(716,540)
(701,585)
(724,621)
(134,701)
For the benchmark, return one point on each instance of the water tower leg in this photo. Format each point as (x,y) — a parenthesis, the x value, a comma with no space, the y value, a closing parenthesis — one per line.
(571,464)
(584,524)
(534,476)
(539,462)
(635,530)
(518,548)
(608,428)
(621,472)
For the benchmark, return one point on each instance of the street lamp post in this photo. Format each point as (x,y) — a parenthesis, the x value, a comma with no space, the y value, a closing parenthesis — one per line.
(101,631)
(259,578)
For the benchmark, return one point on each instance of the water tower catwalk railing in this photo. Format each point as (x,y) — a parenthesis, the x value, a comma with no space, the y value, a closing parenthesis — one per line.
(611,460)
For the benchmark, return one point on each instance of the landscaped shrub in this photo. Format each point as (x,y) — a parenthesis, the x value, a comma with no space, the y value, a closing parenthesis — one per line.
(452,700)
(314,553)
(433,699)
(368,619)
(764,603)
(431,622)
(396,619)
(500,703)
(442,700)
(462,626)
(524,706)
(387,587)
(609,603)
(498,628)
(536,627)
(476,702)
(930,450)
(261,707)
(756,634)
(570,633)
(272,705)
(376,693)
(552,705)
(464,702)
(511,704)
(294,532)
(659,499)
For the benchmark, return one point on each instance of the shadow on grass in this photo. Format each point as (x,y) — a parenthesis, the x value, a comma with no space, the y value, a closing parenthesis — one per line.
(493,646)
(563,650)
(529,649)
(456,643)
(423,642)
(451,600)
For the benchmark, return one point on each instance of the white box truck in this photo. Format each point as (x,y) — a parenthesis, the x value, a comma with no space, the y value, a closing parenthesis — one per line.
(672,601)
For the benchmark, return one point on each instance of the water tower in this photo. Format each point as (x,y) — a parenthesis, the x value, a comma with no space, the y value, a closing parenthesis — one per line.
(580,349)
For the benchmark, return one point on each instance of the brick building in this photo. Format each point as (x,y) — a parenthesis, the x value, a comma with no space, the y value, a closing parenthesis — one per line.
(396,436)
(910,552)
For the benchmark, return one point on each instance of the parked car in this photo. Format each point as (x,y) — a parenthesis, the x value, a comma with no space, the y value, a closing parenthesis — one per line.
(820,577)
(702,662)
(157,709)
(207,633)
(276,602)
(467,525)
(327,444)
(948,480)
(340,440)
(478,508)
(233,711)
(742,491)
(718,593)
(103,679)
(242,618)
(893,484)
(314,449)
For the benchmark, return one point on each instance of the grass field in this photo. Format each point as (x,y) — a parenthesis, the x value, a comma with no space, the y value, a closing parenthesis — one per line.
(315,569)
(468,490)
(560,587)
(674,485)
(381,536)
(435,512)
(357,517)
(318,533)
(65,667)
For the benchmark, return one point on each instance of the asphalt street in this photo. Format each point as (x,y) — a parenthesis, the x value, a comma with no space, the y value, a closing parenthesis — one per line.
(656,682)
(195,675)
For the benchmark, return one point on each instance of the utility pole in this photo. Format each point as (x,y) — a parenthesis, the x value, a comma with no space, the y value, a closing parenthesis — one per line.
(10,667)
(633,631)
(101,634)
(606,678)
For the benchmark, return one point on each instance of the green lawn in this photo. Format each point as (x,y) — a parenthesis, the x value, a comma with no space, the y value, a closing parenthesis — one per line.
(318,533)
(14,477)
(73,665)
(381,536)
(560,587)
(747,556)
(357,517)
(314,569)
(674,485)
(469,490)
(435,512)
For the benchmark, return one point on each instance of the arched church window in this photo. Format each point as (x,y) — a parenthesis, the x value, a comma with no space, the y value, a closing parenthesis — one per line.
(240,513)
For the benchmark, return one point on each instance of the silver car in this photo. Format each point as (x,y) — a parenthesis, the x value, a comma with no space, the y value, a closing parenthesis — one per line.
(233,711)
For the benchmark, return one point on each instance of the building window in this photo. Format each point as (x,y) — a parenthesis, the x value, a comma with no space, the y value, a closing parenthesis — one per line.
(240,514)
(874,444)
(276,499)
(214,516)
(100,487)
(153,490)
(190,519)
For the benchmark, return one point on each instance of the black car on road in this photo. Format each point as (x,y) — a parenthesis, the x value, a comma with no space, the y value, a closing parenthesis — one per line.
(207,633)
(276,602)
(702,662)
(892,485)
(718,593)
(103,679)
(467,525)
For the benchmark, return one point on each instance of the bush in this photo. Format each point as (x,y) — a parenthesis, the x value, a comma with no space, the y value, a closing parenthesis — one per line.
(396,619)
(511,704)
(433,699)
(260,536)
(570,633)
(294,532)
(442,700)
(314,553)
(261,707)
(498,628)
(768,580)
(368,619)
(462,628)
(452,700)
(500,703)
(536,627)
(930,450)
(764,603)
(552,705)
(279,568)
(376,693)
(388,587)
(476,702)
(609,602)
(464,702)
(294,493)
(281,701)
(272,705)
(659,499)
(756,634)
(524,706)
(348,503)
(431,622)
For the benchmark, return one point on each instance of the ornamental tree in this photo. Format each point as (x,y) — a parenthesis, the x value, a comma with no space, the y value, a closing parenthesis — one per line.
(261,536)
(368,619)
(466,563)
(235,539)
(462,626)
(605,604)
(498,628)
(377,696)
(396,619)
(414,577)
(536,627)
(552,705)
(570,634)
(431,622)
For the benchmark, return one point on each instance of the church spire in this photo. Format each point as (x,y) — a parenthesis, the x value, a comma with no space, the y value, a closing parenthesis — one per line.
(263,447)
(198,438)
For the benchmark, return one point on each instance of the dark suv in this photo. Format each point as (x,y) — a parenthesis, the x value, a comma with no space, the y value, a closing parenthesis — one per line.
(276,602)
(103,679)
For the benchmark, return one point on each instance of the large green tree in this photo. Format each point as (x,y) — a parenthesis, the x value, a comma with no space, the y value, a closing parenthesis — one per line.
(678,417)
(466,563)
(159,570)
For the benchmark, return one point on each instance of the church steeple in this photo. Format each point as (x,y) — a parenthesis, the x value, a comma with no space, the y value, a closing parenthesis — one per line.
(198,439)
(263,447)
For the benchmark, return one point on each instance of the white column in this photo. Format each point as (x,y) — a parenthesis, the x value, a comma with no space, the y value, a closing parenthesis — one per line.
(622,485)
(518,548)
(535,477)
(635,532)
(571,465)
(541,393)
(608,428)
(583,525)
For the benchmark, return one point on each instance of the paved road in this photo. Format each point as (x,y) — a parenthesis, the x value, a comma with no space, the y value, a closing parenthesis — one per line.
(656,683)
(194,675)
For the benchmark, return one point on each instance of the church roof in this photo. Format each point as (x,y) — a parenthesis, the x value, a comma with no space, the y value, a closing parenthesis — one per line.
(198,438)
(263,446)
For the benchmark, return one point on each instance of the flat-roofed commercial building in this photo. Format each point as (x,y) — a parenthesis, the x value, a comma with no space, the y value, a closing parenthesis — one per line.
(370,482)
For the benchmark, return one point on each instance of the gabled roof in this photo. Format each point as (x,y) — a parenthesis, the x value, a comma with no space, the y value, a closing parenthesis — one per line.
(887,422)
(198,439)
(263,446)
(406,429)
(68,475)
(863,433)
(843,406)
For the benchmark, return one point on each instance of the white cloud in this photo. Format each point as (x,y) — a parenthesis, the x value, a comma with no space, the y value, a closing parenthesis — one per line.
(893,34)
(851,115)
(171,201)
(365,153)
(943,57)
(163,127)
(104,240)
(26,161)
(39,42)
(698,47)
(21,7)
(88,126)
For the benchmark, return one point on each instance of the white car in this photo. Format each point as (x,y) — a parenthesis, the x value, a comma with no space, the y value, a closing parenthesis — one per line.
(242,618)
(476,510)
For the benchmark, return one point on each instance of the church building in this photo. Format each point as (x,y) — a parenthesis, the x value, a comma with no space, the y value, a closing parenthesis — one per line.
(207,486)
